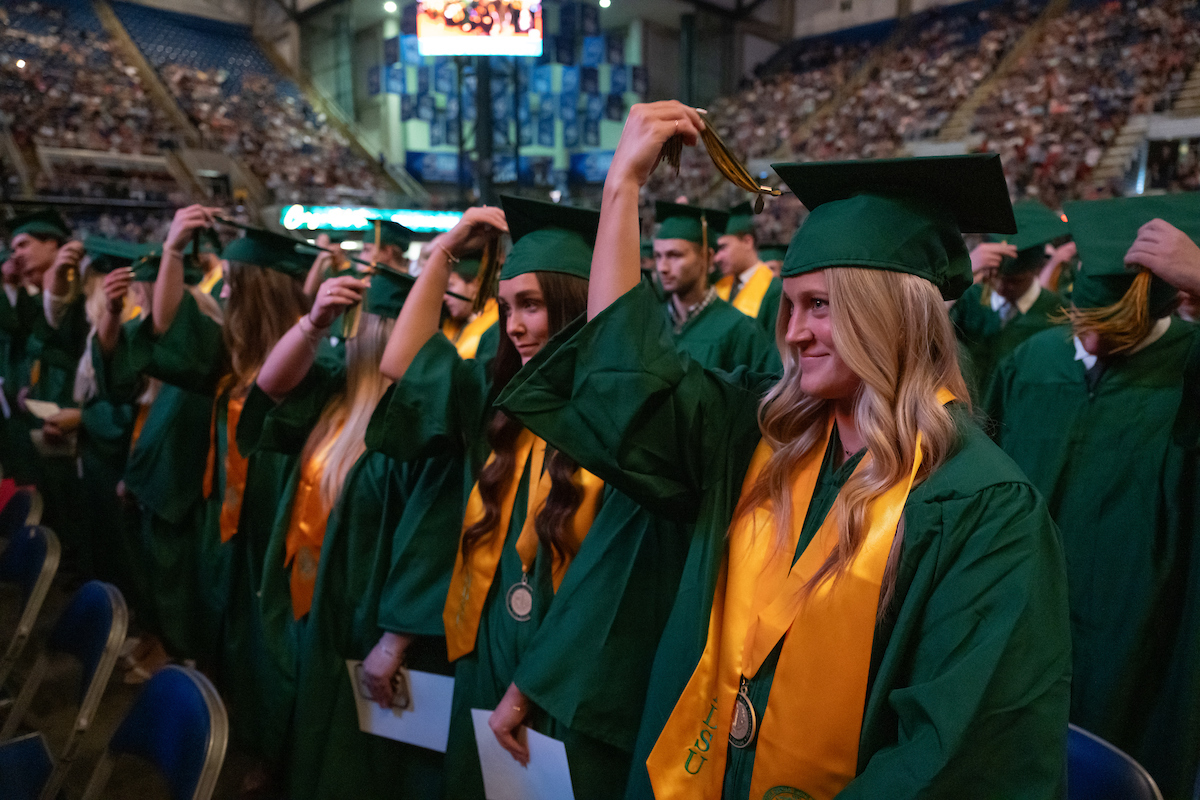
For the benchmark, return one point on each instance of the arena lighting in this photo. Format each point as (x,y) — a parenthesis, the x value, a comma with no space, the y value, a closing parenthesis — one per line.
(20,63)
(605,3)
(389,7)
(358,218)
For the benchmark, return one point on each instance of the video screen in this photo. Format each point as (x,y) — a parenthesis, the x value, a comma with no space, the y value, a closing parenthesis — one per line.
(483,28)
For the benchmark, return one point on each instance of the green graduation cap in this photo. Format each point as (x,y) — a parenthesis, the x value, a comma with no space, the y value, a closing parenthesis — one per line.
(678,221)
(898,214)
(1037,226)
(210,242)
(1104,230)
(772,252)
(388,291)
(548,237)
(467,267)
(265,248)
(741,220)
(44,222)
(647,248)
(389,232)
(109,254)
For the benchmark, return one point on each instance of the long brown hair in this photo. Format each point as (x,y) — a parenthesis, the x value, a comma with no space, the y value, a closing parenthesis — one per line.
(263,305)
(565,297)
(893,332)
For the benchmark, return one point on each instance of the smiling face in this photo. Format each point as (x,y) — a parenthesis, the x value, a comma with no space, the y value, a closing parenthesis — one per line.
(809,334)
(523,309)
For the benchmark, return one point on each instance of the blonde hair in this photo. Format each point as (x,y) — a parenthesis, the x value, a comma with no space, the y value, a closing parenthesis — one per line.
(344,420)
(892,330)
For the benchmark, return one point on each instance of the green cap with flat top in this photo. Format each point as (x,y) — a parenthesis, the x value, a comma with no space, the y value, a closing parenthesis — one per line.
(264,248)
(900,215)
(741,220)
(44,222)
(548,237)
(1037,226)
(387,293)
(109,254)
(1105,229)
(467,267)
(690,223)
(389,232)
(771,252)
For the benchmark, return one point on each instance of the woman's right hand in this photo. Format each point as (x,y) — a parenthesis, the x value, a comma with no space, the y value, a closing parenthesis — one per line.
(381,664)
(335,296)
(477,227)
(647,129)
(986,257)
(186,222)
(116,286)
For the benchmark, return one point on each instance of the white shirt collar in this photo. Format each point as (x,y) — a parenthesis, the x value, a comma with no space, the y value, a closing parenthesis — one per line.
(745,275)
(1156,333)
(11,292)
(1024,302)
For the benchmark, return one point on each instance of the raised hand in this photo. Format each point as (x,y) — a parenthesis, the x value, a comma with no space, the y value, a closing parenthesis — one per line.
(186,222)
(986,257)
(1167,252)
(477,226)
(647,128)
(116,286)
(335,296)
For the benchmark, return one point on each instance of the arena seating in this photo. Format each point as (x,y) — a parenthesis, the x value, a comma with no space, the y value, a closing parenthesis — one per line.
(243,106)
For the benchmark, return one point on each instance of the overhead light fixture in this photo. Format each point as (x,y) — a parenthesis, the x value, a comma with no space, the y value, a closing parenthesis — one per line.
(389,7)
(20,63)
(605,3)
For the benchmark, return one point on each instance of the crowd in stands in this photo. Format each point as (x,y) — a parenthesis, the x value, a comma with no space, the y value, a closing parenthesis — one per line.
(1053,116)
(62,84)
(289,146)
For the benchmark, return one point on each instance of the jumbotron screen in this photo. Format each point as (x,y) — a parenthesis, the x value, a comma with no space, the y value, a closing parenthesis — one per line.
(479,27)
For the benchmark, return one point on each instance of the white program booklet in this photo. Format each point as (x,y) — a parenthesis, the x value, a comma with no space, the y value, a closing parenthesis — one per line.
(546,778)
(425,723)
(42,409)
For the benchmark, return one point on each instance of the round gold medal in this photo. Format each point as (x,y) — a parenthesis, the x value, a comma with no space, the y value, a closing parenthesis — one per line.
(745,722)
(520,601)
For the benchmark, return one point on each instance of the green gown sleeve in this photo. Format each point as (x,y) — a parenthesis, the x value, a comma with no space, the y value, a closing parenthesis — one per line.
(972,696)
(284,428)
(440,406)
(190,354)
(618,397)
(119,375)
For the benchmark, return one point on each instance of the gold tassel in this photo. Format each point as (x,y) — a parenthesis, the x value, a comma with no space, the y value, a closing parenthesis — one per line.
(723,159)
(489,274)
(1123,324)
(352,317)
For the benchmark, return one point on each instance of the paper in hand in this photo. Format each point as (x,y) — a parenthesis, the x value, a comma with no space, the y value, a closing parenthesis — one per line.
(425,723)
(548,777)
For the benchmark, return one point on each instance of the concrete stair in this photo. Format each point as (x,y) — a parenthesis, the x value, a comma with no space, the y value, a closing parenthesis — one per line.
(1187,103)
(12,158)
(958,127)
(1116,159)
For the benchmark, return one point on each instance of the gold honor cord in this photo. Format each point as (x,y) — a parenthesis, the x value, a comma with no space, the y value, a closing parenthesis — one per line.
(489,275)
(365,267)
(723,159)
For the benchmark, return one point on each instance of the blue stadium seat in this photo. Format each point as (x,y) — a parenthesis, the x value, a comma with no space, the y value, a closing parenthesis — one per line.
(91,630)
(30,560)
(179,725)
(1096,770)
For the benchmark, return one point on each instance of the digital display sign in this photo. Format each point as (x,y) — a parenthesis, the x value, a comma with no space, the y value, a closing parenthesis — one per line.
(479,27)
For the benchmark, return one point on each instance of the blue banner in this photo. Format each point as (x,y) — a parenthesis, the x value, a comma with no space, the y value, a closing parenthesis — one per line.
(591,167)
(373,80)
(391,50)
(408,107)
(545,123)
(594,108)
(618,80)
(614,109)
(410,52)
(616,48)
(423,79)
(570,134)
(593,51)
(568,107)
(433,167)
(395,79)
(541,80)
(425,107)
(536,171)
(591,133)
(437,130)
(564,49)
(639,80)
(444,75)
(589,80)
(504,169)
(570,80)
(567,18)
(589,19)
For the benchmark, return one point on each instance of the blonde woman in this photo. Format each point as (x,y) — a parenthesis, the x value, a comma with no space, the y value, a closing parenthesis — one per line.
(874,605)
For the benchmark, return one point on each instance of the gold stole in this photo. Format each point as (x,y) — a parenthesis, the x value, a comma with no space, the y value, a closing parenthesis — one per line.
(236,466)
(306,528)
(749,299)
(211,279)
(472,579)
(809,732)
(467,339)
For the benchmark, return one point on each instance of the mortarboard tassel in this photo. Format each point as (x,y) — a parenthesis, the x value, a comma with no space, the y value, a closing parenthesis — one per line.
(723,159)
(1123,324)
(489,274)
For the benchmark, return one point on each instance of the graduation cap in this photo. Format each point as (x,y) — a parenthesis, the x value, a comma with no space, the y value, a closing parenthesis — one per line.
(44,222)
(741,220)
(109,254)
(772,252)
(467,267)
(388,232)
(898,214)
(548,237)
(691,223)
(647,248)
(210,242)
(1037,226)
(389,289)
(1104,230)
(271,250)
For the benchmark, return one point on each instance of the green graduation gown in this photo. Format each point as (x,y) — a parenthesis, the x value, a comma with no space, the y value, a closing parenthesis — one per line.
(724,338)
(572,659)
(191,355)
(1123,489)
(969,678)
(986,341)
